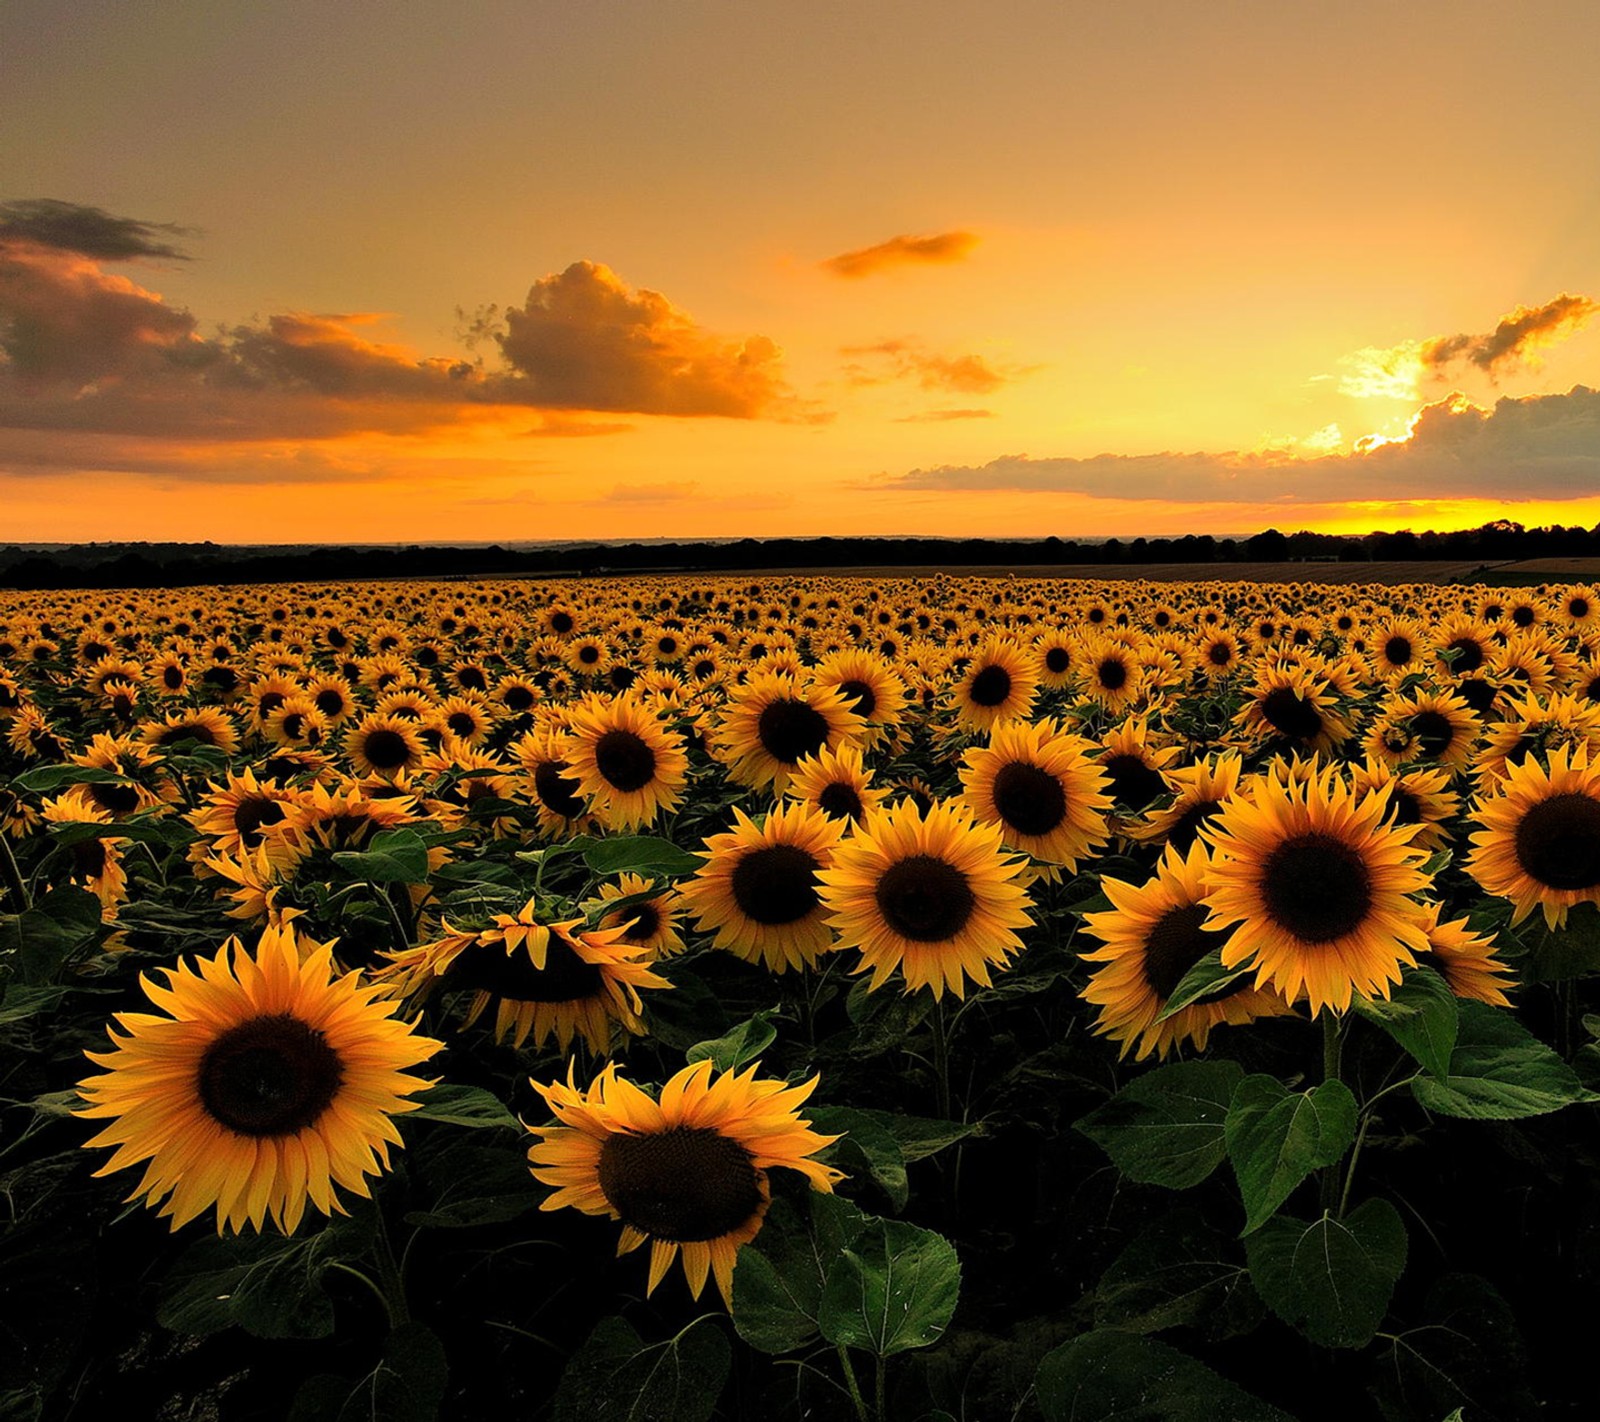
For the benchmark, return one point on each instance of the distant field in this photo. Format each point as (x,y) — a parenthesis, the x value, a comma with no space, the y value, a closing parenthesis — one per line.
(1387,573)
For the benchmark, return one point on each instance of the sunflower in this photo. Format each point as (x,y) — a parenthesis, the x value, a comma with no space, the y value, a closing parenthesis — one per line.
(1534,728)
(1540,842)
(1433,726)
(835,782)
(1154,935)
(631,768)
(1399,645)
(1059,658)
(648,923)
(1317,883)
(687,1175)
(1112,674)
(1217,653)
(268,1082)
(933,895)
(871,689)
(1465,960)
(296,724)
(464,718)
(758,890)
(1417,796)
(96,864)
(1137,770)
(771,723)
(554,791)
(544,980)
(999,685)
(1199,793)
(238,814)
(1040,786)
(1292,707)
(385,745)
(207,725)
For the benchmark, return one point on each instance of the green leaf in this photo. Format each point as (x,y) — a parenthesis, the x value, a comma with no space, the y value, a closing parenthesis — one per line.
(1179,1272)
(777,1284)
(396,856)
(895,1287)
(744,1044)
(1331,1279)
(1421,1015)
(1561,954)
(1276,1138)
(38,942)
(408,1384)
(1499,1071)
(145,830)
(48,779)
(616,1377)
(1108,1376)
(269,1285)
(481,1180)
(1207,978)
(922,1136)
(639,854)
(1166,1127)
(20,1001)
(463,1106)
(867,1148)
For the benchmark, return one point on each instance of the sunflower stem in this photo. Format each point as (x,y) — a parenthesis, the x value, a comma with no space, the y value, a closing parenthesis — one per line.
(13,876)
(1332,1051)
(854,1386)
(879,1387)
(394,1286)
(400,933)
(1350,1170)
(941,1059)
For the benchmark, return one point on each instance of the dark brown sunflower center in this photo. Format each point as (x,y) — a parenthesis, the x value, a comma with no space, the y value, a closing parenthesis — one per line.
(791,729)
(487,967)
(250,815)
(1133,783)
(991,686)
(1397,651)
(461,723)
(1186,828)
(861,696)
(518,698)
(330,701)
(1434,731)
(925,899)
(1029,798)
(294,725)
(1290,714)
(1469,654)
(775,884)
(1112,674)
(1558,842)
(1175,945)
(270,1076)
(89,859)
(588,654)
(1578,607)
(840,801)
(1057,660)
(685,1184)
(1317,887)
(624,760)
(188,730)
(1407,808)
(1220,654)
(1479,695)
(561,623)
(385,750)
(557,791)
(1523,616)
(117,799)
(646,924)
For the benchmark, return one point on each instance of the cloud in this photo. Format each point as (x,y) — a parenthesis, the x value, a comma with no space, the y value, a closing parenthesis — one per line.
(909,360)
(1541,446)
(84,349)
(583,340)
(87,231)
(1397,372)
(939,415)
(901,251)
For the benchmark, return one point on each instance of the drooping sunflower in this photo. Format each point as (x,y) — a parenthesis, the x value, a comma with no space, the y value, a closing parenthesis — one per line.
(554,791)
(999,684)
(773,722)
(630,766)
(759,888)
(548,980)
(1534,728)
(933,895)
(206,725)
(1292,707)
(1040,785)
(96,864)
(1137,770)
(688,1176)
(1155,934)
(1417,796)
(269,1082)
(1199,793)
(1540,841)
(837,783)
(1465,960)
(1318,884)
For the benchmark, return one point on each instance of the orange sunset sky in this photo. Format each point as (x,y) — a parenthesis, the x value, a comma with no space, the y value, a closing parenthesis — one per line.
(503,269)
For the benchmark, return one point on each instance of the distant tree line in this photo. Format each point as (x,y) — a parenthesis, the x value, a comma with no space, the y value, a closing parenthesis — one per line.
(151,565)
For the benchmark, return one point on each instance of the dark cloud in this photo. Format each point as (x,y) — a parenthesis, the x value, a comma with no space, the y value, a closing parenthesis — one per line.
(584,340)
(88,231)
(901,251)
(1542,446)
(1525,329)
(909,360)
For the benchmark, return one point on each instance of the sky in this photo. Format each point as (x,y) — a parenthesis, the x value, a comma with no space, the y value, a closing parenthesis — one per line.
(510,270)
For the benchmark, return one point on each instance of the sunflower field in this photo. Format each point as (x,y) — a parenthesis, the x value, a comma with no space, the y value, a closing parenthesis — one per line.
(960,999)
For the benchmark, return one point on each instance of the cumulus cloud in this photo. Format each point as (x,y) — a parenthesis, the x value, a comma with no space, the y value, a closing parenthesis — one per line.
(901,251)
(909,360)
(88,231)
(584,340)
(82,348)
(1542,446)
(1397,372)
